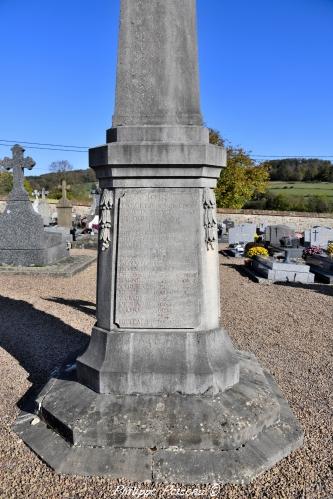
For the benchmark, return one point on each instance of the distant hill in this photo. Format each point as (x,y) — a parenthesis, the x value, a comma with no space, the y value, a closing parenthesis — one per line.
(300,170)
(81,182)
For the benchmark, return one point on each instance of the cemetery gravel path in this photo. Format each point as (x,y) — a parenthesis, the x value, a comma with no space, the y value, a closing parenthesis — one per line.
(43,319)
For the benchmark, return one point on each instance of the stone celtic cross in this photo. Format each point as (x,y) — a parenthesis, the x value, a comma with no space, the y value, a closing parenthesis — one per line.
(17,163)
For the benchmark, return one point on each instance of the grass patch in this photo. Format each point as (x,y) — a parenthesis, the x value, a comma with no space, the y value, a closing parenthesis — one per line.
(302,189)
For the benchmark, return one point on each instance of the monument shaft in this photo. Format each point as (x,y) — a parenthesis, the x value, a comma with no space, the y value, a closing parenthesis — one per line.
(158,291)
(157,75)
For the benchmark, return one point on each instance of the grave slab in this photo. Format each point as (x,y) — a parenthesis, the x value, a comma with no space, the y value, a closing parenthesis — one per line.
(66,267)
(322,267)
(281,271)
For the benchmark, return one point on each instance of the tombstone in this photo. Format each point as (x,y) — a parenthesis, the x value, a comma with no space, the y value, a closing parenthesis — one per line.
(43,208)
(322,267)
(64,207)
(36,194)
(92,218)
(244,233)
(160,393)
(318,236)
(96,194)
(274,233)
(228,224)
(23,241)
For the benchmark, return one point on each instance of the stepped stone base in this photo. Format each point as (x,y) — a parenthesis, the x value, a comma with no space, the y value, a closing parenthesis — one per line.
(231,437)
(282,272)
(66,267)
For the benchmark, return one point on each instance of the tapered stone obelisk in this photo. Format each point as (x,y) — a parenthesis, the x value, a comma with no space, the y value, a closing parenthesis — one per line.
(160,393)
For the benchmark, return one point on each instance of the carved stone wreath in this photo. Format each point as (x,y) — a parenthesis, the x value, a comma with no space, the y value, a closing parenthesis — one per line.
(106,205)
(210,222)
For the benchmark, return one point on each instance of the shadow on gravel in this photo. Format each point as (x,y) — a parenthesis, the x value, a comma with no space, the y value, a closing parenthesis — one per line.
(324,289)
(240,269)
(40,342)
(87,307)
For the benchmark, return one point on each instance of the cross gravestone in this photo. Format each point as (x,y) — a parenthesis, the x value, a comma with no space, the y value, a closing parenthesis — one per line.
(64,207)
(44,209)
(161,393)
(96,196)
(274,233)
(318,236)
(23,241)
(36,200)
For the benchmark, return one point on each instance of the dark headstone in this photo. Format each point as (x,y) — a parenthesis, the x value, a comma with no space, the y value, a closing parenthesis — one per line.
(23,241)
(322,267)
(274,233)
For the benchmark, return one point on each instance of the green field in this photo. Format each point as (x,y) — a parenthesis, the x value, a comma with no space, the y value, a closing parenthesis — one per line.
(302,189)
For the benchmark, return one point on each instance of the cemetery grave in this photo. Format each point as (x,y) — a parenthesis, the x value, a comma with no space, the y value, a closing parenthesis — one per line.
(238,237)
(322,267)
(26,245)
(23,241)
(289,254)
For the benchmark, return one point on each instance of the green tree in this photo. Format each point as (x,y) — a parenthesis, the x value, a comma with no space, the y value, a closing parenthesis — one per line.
(6,184)
(241,180)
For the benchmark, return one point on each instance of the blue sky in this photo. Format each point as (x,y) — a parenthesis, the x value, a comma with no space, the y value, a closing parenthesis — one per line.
(266,70)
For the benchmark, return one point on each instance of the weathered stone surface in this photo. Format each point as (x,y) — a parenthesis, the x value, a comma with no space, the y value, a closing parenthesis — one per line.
(157,75)
(193,362)
(157,283)
(228,438)
(64,208)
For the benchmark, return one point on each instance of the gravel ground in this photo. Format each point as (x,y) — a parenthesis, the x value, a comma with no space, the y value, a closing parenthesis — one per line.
(42,319)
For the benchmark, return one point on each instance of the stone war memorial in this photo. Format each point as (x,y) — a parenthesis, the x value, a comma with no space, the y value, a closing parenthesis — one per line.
(160,393)
(23,240)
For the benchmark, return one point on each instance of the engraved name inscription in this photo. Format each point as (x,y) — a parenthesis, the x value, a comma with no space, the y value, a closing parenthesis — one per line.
(157,260)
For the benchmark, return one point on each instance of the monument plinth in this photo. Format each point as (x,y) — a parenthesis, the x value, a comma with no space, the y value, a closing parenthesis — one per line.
(160,393)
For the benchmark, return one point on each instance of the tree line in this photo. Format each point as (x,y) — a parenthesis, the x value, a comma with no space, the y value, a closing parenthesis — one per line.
(300,170)
(242,184)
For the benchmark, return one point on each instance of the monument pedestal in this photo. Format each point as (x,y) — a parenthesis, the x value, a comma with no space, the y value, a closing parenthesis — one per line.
(230,437)
(160,394)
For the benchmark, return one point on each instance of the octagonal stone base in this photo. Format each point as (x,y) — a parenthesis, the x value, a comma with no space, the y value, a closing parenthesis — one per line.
(231,437)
